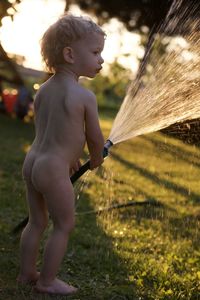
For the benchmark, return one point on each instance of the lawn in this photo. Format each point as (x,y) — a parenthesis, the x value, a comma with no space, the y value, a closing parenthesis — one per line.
(146,250)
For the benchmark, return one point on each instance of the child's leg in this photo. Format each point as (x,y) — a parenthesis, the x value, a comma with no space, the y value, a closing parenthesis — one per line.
(60,202)
(29,244)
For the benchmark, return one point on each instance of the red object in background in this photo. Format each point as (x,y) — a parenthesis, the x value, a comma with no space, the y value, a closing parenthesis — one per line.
(9,102)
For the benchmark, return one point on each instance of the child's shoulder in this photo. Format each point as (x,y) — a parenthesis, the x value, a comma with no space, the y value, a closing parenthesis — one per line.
(42,89)
(41,93)
(86,95)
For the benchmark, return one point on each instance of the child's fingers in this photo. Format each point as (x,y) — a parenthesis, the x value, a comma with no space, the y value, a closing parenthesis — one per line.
(79,164)
(71,172)
(76,166)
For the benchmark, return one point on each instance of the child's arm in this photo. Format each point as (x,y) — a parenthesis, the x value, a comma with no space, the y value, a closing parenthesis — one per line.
(94,137)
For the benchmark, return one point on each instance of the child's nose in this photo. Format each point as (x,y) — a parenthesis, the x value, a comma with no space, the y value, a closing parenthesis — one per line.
(101,61)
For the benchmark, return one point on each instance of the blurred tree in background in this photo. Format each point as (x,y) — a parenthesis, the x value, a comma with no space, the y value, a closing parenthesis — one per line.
(7,8)
(8,71)
(110,88)
(134,14)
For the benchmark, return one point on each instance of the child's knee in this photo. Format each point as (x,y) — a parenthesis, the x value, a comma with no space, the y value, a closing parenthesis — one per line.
(66,226)
(69,226)
(39,224)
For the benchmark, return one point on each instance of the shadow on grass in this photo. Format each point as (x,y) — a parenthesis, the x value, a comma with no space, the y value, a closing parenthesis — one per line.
(185,227)
(171,221)
(174,151)
(161,182)
(94,265)
(178,225)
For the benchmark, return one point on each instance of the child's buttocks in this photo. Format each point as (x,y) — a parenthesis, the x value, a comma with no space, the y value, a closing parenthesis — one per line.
(49,169)
(44,169)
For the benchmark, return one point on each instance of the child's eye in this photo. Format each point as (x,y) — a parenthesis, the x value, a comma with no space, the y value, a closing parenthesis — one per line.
(96,52)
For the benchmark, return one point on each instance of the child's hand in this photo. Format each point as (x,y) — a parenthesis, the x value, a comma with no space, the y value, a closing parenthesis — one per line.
(75,168)
(94,163)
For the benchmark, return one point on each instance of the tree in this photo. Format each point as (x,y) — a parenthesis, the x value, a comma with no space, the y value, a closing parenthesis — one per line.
(133,13)
(7,8)
(8,71)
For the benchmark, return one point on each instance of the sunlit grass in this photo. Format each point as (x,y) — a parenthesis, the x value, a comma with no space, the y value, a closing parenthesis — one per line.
(146,251)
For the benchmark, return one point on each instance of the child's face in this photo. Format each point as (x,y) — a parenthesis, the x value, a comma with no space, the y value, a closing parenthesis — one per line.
(87,55)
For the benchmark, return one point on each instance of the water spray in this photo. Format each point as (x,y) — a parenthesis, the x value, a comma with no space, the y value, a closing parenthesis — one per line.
(82,170)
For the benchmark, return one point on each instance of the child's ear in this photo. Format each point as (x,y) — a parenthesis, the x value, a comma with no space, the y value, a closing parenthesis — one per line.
(68,55)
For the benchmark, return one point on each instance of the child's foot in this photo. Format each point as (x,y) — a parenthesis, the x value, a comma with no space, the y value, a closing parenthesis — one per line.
(31,279)
(57,287)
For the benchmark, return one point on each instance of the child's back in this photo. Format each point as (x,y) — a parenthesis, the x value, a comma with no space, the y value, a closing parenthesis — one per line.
(60,107)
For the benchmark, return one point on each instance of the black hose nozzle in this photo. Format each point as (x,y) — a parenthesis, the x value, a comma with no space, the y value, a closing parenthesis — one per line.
(106,148)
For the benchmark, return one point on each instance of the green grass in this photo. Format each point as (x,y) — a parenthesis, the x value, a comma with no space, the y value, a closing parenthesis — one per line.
(147,251)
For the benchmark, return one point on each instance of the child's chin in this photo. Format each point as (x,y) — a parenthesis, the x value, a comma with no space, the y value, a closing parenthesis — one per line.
(91,75)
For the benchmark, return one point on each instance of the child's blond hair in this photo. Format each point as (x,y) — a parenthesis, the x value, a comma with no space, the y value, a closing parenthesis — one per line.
(61,34)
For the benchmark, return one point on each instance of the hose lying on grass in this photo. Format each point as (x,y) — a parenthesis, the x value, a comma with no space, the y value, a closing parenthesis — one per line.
(98,211)
(120,205)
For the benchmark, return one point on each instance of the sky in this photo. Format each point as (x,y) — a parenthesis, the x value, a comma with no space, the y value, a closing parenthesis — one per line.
(22,35)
